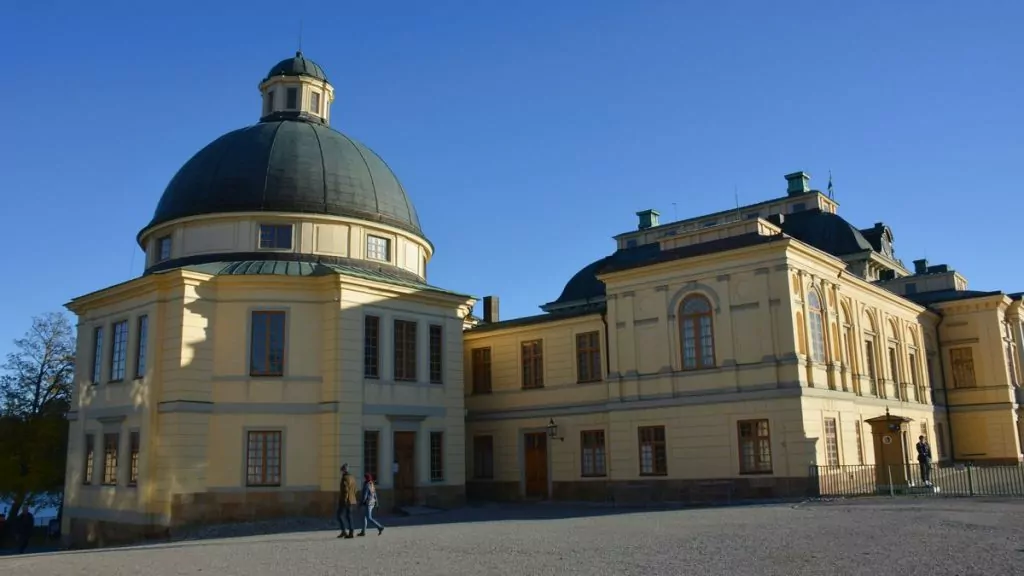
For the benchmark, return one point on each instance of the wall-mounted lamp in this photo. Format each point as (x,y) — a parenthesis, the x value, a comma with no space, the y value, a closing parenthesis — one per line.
(553,431)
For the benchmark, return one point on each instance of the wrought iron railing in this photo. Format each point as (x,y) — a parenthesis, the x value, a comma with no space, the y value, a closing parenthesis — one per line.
(901,480)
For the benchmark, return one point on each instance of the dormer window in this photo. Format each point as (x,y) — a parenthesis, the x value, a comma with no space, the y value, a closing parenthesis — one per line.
(378,248)
(275,237)
(314,102)
(292,98)
(163,249)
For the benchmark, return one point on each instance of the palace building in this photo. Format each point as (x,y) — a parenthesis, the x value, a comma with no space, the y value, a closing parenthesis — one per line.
(725,354)
(284,326)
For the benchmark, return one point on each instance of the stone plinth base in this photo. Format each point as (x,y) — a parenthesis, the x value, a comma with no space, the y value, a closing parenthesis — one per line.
(635,492)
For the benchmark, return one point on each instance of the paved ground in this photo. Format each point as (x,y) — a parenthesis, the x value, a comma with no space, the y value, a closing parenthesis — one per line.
(907,537)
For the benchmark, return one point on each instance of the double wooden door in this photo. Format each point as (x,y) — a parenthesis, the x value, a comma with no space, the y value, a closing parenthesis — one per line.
(405,475)
(535,458)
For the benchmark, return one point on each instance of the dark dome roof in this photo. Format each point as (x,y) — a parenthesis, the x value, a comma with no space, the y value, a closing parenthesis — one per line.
(825,231)
(584,285)
(298,65)
(288,166)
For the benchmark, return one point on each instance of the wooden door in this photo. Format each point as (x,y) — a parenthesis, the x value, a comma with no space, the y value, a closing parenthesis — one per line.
(536,464)
(405,476)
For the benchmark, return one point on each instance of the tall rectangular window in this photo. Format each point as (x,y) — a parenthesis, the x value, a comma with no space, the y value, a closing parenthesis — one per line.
(263,458)
(869,363)
(436,354)
(592,458)
(436,456)
(483,457)
(481,359)
(266,351)
(831,442)
(532,364)
(914,383)
(860,441)
(133,474)
(962,360)
(588,357)
(371,453)
(275,237)
(97,354)
(90,459)
(110,442)
(118,350)
(371,347)
(378,248)
(405,350)
(268,103)
(653,454)
(292,98)
(894,369)
(314,102)
(940,440)
(141,346)
(755,447)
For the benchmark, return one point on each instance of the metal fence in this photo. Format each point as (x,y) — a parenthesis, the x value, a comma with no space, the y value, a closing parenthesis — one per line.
(959,480)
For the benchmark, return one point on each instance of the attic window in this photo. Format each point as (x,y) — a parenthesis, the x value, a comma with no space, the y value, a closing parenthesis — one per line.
(752,215)
(911,288)
(798,207)
(292,98)
(275,236)
(378,248)
(163,249)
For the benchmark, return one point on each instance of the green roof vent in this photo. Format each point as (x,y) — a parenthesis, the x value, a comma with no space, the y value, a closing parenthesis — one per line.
(798,183)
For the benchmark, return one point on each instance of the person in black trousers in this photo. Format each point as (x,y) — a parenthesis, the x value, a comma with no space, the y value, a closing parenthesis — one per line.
(924,460)
(25,523)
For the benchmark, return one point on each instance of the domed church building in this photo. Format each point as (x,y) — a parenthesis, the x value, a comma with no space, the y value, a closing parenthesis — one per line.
(283,326)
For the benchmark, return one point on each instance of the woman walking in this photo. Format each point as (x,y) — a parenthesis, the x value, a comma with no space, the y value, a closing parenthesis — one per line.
(369,502)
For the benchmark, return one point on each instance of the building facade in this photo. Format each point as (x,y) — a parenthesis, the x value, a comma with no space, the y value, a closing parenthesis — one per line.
(725,354)
(283,327)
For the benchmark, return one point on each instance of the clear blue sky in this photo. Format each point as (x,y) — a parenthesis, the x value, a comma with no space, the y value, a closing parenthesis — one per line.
(527,133)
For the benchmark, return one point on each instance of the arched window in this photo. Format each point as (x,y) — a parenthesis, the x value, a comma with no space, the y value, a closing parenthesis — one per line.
(817,322)
(698,335)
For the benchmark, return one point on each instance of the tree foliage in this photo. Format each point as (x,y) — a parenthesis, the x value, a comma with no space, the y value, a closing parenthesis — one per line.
(35,395)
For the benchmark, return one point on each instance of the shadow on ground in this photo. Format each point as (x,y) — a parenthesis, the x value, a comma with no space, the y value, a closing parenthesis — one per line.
(478,512)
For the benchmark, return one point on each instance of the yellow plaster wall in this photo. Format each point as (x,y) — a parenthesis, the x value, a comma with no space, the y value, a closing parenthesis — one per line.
(558,344)
(701,441)
(326,235)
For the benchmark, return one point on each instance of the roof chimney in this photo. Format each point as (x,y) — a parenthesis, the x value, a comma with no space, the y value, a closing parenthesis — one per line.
(648,219)
(920,266)
(798,183)
(490,309)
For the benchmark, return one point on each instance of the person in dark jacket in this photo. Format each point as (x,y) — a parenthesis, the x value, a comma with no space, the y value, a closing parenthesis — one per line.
(369,502)
(924,460)
(348,497)
(25,523)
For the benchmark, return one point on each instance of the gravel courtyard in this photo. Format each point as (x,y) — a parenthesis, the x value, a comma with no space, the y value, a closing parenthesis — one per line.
(905,537)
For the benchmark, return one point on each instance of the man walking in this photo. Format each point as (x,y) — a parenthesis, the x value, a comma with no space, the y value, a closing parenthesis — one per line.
(25,524)
(924,460)
(348,497)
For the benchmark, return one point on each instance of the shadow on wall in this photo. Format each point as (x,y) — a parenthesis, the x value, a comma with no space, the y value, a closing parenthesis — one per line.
(308,324)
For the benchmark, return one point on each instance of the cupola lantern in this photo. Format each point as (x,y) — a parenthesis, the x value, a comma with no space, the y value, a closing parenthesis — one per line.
(297,88)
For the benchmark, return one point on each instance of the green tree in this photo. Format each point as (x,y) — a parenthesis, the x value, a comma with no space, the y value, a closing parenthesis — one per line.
(35,395)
